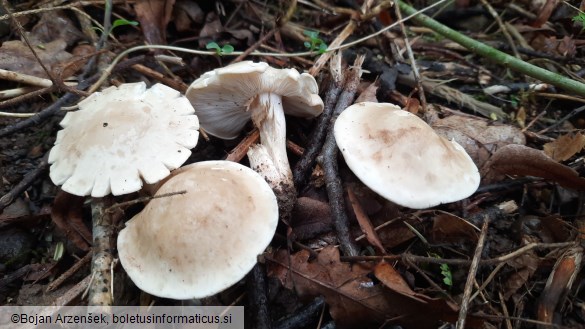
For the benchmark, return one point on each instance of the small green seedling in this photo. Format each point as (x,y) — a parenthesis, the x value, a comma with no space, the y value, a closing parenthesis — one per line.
(226,49)
(116,23)
(580,18)
(447,276)
(315,43)
(445,272)
(122,22)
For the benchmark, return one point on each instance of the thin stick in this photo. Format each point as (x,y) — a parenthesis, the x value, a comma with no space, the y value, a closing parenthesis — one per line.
(25,78)
(238,153)
(503,27)
(317,138)
(483,262)
(141,200)
(471,276)
(328,161)
(415,72)
(67,274)
(27,181)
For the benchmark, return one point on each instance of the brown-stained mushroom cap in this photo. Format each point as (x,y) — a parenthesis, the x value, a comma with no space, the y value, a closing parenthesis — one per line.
(199,243)
(121,136)
(400,157)
(222,97)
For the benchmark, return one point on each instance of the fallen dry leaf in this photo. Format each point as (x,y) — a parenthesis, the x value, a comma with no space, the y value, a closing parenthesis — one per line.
(369,93)
(67,213)
(448,228)
(525,161)
(55,25)
(365,223)
(524,267)
(354,299)
(559,283)
(478,137)
(154,15)
(564,147)
(16,56)
(186,12)
(394,281)
(545,12)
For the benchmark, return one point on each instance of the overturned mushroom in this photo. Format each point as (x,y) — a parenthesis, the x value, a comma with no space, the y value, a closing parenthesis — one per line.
(400,157)
(118,138)
(199,243)
(226,98)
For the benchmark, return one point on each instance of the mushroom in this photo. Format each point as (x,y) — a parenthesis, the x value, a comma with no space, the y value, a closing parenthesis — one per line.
(121,135)
(116,139)
(199,243)
(400,157)
(226,98)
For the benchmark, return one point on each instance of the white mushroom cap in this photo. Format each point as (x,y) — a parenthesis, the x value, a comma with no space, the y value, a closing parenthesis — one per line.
(223,96)
(121,135)
(199,243)
(400,157)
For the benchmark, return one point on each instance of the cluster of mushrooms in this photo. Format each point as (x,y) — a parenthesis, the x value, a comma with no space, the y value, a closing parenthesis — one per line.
(199,243)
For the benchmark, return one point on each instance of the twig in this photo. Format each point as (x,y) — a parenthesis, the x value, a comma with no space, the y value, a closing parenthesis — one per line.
(177,85)
(503,27)
(328,160)
(238,152)
(72,293)
(417,78)
(433,260)
(24,78)
(505,310)
(494,54)
(67,274)
(117,206)
(303,317)
(27,181)
(22,98)
(471,276)
(454,95)
(324,58)
(257,298)
(317,138)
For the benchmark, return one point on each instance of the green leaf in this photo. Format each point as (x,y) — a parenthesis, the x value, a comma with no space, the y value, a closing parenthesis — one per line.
(311,34)
(322,48)
(580,18)
(213,45)
(447,276)
(227,49)
(122,22)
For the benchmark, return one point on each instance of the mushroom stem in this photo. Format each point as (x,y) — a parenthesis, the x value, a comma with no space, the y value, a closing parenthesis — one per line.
(100,293)
(269,158)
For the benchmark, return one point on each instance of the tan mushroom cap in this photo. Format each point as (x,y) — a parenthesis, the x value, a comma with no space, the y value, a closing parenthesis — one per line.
(400,157)
(121,136)
(223,96)
(199,243)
